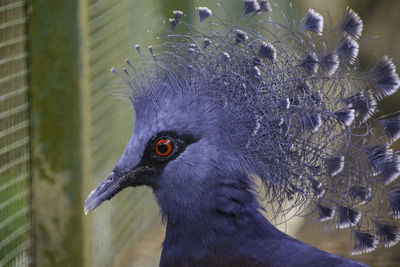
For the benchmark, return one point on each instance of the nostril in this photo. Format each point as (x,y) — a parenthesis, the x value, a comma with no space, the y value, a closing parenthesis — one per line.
(111,177)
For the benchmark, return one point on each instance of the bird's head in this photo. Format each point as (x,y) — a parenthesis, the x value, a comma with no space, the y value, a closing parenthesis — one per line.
(203,113)
(179,140)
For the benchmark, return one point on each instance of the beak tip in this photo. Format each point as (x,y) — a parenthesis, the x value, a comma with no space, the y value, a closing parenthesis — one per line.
(105,191)
(87,205)
(91,202)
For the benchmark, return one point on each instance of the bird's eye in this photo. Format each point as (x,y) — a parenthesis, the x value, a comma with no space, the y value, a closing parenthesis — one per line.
(163,147)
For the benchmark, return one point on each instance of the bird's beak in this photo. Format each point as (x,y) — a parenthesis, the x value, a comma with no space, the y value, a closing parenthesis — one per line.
(112,186)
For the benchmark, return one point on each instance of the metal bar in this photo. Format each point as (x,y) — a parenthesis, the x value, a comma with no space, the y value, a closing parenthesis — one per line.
(15,92)
(16,22)
(21,230)
(14,181)
(22,142)
(19,39)
(17,215)
(14,128)
(14,163)
(13,111)
(11,255)
(13,58)
(56,105)
(13,76)
(13,199)
(11,6)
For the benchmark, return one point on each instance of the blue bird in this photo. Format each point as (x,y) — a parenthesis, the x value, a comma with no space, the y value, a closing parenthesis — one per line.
(221,110)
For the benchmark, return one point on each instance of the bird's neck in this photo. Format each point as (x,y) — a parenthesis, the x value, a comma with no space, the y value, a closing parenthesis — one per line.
(218,217)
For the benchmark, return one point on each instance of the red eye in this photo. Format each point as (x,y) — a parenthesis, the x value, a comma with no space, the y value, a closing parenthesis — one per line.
(163,147)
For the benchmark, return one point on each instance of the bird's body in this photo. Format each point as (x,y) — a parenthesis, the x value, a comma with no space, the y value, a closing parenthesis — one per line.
(233,232)
(234,107)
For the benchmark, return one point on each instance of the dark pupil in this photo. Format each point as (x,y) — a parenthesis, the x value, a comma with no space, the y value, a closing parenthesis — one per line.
(162,148)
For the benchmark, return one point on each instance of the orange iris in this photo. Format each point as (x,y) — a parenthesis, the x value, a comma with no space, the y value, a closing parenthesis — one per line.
(163,147)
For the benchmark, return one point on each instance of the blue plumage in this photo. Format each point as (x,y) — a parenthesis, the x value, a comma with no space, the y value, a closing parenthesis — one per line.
(239,105)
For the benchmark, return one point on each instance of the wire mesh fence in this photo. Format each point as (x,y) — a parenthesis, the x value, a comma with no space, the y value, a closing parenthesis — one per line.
(15,237)
(113,29)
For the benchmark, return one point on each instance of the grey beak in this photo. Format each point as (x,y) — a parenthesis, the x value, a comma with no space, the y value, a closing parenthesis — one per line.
(110,187)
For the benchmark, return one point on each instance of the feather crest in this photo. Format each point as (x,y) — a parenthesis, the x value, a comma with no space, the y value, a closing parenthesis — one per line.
(267,50)
(251,6)
(391,127)
(313,22)
(351,23)
(348,50)
(363,103)
(384,78)
(330,63)
(334,165)
(363,243)
(388,235)
(325,213)
(265,6)
(347,217)
(394,203)
(204,12)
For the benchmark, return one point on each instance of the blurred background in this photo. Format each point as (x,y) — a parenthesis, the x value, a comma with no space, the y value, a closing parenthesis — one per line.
(62,130)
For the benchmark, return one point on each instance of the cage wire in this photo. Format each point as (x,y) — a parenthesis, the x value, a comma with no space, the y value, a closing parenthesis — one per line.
(114,28)
(15,237)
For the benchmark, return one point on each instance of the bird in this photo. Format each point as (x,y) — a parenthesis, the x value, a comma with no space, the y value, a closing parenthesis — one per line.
(222,110)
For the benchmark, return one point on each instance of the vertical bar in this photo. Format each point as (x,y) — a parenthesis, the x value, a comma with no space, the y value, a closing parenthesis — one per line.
(85,129)
(54,43)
